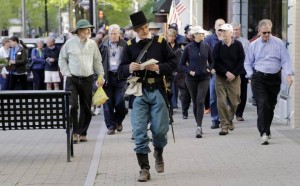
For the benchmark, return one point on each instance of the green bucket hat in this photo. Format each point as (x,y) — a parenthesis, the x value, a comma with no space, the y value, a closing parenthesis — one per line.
(83,23)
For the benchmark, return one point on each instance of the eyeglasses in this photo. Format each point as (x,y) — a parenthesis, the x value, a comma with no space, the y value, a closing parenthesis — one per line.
(266,33)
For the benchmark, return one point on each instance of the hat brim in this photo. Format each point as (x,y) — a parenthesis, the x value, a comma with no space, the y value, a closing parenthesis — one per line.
(224,30)
(87,26)
(139,25)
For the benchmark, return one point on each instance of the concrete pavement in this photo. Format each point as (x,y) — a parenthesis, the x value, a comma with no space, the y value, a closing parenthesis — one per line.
(38,157)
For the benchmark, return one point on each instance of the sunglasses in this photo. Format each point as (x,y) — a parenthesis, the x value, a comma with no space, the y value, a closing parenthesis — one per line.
(266,33)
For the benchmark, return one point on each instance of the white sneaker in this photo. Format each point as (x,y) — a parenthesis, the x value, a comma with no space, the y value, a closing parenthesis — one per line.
(97,111)
(265,139)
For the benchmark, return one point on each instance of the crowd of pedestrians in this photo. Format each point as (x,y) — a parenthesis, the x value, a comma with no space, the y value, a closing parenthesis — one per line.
(196,67)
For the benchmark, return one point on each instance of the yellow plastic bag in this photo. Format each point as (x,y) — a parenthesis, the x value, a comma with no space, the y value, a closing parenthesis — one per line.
(99,97)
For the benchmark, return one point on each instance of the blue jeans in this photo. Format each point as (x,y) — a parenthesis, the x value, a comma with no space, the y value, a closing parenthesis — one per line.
(213,100)
(3,83)
(114,108)
(174,95)
(151,106)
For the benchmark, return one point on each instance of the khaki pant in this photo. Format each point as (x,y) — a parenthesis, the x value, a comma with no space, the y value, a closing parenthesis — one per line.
(228,96)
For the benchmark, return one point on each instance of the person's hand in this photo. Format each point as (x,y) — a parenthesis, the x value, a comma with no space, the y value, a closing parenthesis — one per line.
(51,60)
(208,70)
(134,67)
(100,82)
(192,73)
(289,80)
(153,67)
(11,62)
(4,76)
(229,76)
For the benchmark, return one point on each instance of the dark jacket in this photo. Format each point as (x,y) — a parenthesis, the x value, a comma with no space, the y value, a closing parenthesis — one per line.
(159,50)
(197,58)
(229,58)
(52,53)
(21,61)
(105,51)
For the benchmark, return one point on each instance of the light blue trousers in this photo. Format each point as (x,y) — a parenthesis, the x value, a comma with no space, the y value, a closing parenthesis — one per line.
(150,107)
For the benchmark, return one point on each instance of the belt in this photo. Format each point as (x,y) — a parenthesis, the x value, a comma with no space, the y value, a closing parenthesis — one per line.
(81,77)
(151,80)
(268,74)
(113,73)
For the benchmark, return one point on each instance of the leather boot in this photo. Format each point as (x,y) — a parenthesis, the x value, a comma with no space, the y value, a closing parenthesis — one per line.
(144,164)
(159,161)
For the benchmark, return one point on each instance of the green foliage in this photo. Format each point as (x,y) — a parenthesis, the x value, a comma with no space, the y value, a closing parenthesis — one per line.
(116,11)
(9,9)
(148,10)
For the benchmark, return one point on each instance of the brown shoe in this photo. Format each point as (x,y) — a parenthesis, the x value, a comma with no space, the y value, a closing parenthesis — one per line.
(110,132)
(119,127)
(223,132)
(82,139)
(75,138)
(144,175)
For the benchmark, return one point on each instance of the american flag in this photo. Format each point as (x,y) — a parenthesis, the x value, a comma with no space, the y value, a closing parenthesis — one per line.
(180,7)
(177,8)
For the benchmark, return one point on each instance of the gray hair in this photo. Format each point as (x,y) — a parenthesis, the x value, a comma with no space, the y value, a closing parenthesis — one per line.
(265,22)
(236,25)
(112,27)
(40,40)
(50,38)
(4,41)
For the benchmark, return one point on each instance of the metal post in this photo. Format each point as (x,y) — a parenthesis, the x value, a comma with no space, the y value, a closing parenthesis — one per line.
(23,19)
(95,15)
(91,12)
(46,19)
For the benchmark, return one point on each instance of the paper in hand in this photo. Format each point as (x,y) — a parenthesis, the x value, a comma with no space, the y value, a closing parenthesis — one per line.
(146,63)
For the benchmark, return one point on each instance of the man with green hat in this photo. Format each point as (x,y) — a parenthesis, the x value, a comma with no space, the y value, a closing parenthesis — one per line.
(79,60)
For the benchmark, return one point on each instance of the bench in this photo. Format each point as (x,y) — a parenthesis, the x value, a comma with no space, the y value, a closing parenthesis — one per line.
(30,110)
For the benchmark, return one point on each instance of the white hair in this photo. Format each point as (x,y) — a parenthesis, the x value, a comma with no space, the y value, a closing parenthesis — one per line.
(113,27)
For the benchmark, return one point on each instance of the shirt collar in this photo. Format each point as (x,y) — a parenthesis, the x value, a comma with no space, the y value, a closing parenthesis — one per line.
(137,39)
(266,41)
(232,41)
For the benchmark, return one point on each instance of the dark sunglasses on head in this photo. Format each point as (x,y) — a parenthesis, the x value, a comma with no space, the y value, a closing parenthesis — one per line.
(266,33)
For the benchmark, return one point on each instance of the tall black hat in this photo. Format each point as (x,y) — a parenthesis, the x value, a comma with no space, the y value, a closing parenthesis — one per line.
(138,19)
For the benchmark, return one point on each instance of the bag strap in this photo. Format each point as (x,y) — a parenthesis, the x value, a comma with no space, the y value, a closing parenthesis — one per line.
(142,53)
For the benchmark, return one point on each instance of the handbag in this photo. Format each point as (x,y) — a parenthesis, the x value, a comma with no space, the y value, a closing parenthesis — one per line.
(99,97)
(134,87)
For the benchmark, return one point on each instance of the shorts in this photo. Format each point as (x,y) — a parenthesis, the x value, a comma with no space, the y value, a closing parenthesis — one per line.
(52,77)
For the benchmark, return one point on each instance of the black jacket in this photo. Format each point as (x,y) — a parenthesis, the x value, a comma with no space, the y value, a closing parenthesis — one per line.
(159,50)
(105,50)
(229,58)
(197,58)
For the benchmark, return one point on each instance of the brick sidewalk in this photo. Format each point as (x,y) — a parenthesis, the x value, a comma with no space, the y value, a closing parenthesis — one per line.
(38,157)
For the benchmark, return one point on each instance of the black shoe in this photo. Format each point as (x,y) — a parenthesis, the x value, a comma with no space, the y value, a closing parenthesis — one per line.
(215,125)
(184,117)
(119,127)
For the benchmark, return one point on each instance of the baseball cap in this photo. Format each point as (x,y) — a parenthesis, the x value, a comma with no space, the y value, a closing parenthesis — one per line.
(225,27)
